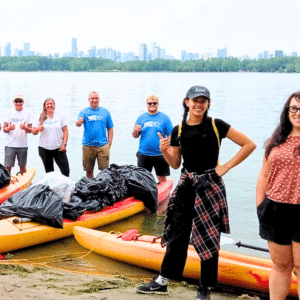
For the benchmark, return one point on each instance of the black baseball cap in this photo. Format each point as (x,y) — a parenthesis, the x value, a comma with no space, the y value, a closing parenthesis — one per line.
(197,91)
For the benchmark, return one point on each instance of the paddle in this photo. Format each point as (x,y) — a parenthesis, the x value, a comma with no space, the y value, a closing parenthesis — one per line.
(133,234)
(229,241)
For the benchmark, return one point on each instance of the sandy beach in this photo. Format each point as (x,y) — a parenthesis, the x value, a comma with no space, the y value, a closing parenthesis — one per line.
(27,282)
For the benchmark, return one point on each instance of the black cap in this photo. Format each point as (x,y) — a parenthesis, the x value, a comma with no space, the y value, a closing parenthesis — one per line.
(197,91)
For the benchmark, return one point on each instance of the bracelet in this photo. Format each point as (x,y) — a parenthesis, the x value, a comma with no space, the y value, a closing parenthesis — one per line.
(65,144)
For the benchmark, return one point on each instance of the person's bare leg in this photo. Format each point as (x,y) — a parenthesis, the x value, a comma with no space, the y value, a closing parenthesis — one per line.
(161,178)
(296,258)
(8,169)
(23,169)
(281,273)
(89,174)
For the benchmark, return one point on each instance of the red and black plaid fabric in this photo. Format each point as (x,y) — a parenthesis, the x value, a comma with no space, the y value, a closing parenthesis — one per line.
(211,212)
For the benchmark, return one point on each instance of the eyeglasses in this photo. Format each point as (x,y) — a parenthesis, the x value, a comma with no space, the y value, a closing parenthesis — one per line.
(152,103)
(293,109)
(18,101)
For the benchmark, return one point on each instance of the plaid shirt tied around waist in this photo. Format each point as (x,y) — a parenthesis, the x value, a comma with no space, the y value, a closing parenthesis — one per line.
(211,211)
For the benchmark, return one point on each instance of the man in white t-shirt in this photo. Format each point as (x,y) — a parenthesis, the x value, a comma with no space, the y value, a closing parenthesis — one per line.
(17,123)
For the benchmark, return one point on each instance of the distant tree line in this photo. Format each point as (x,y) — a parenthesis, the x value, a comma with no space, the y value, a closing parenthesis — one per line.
(40,63)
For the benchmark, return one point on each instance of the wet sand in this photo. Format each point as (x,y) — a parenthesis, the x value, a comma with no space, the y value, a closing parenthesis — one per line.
(35,283)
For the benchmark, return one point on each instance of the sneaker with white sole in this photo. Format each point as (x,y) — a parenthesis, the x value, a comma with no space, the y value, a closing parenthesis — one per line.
(153,288)
(203,294)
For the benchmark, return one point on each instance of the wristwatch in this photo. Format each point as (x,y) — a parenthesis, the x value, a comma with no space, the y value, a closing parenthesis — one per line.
(65,144)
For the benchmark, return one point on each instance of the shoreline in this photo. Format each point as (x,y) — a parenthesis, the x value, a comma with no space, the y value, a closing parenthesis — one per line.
(28,282)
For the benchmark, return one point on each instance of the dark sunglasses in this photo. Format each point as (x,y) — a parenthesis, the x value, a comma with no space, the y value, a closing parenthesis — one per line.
(152,103)
(18,101)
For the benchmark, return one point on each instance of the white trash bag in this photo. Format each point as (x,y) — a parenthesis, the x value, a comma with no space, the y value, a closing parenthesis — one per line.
(60,184)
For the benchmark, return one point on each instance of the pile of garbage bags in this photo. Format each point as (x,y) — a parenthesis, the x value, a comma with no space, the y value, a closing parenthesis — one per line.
(56,196)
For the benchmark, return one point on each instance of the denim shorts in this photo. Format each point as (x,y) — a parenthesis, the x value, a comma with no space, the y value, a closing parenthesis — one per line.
(279,222)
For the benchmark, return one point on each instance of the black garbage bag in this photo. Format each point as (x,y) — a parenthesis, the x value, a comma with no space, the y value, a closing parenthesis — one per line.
(115,186)
(87,188)
(107,188)
(73,209)
(38,203)
(4,177)
(140,183)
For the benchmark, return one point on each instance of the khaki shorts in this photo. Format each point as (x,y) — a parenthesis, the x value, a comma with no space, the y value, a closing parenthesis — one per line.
(90,154)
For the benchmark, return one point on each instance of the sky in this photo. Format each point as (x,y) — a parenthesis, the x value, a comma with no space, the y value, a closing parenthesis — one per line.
(243,27)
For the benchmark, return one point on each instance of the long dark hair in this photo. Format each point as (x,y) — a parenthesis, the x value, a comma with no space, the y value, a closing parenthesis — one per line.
(284,128)
(43,115)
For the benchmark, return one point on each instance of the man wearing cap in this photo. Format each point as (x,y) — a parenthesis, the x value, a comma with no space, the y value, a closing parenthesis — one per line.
(147,126)
(97,135)
(17,123)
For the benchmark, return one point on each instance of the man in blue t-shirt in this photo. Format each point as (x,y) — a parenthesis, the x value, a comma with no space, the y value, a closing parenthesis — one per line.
(147,126)
(95,143)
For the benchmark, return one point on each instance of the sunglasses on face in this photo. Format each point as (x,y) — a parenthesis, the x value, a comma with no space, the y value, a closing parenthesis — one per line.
(18,101)
(152,103)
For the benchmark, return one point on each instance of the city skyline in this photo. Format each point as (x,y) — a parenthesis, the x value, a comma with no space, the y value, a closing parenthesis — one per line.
(244,28)
(146,53)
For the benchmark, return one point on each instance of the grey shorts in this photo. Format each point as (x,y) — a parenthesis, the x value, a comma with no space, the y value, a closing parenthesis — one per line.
(10,156)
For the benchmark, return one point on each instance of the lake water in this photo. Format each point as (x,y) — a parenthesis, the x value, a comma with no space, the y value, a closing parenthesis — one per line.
(250,102)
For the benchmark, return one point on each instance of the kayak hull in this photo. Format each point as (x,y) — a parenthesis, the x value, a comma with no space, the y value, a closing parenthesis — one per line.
(235,269)
(22,235)
(19,183)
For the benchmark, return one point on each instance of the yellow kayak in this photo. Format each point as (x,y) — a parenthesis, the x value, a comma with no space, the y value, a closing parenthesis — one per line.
(235,269)
(21,235)
(18,183)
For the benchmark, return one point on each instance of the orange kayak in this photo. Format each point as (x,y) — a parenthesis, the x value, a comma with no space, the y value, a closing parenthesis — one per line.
(18,183)
(235,269)
(21,235)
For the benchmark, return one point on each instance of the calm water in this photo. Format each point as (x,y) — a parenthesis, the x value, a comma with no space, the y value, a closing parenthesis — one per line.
(250,102)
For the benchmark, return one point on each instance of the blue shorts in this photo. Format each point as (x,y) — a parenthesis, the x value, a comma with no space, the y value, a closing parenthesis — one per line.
(279,222)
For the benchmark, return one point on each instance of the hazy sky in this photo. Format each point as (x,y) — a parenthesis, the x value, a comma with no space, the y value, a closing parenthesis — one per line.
(244,27)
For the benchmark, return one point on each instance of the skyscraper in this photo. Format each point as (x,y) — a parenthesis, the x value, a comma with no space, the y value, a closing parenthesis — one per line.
(74,47)
(278,53)
(222,53)
(7,49)
(183,52)
(266,54)
(26,51)
(143,52)
(156,53)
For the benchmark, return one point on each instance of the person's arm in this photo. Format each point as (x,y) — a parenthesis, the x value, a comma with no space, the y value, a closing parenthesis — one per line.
(26,128)
(37,129)
(8,127)
(136,130)
(171,153)
(65,137)
(80,121)
(247,147)
(110,135)
(262,182)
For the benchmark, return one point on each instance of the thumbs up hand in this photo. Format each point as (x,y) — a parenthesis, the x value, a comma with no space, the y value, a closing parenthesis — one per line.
(164,143)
